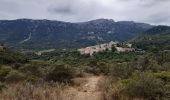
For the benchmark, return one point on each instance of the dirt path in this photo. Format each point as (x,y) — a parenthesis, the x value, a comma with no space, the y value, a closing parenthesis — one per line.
(27,39)
(88,89)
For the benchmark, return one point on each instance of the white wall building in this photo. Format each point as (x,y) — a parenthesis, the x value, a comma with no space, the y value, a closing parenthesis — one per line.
(97,48)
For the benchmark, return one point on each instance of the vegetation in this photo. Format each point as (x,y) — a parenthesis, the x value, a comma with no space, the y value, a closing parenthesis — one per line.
(60,73)
(153,40)
(130,75)
(54,34)
(7,57)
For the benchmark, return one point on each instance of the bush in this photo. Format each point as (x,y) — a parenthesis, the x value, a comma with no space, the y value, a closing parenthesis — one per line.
(10,57)
(145,85)
(60,73)
(146,63)
(2,86)
(32,69)
(164,75)
(31,79)
(123,70)
(104,68)
(166,66)
(98,67)
(4,70)
(94,70)
(15,76)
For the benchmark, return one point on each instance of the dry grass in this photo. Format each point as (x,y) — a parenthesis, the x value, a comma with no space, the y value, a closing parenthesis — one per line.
(104,85)
(52,91)
(112,91)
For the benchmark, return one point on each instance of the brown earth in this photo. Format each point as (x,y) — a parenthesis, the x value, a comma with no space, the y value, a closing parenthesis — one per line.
(87,88)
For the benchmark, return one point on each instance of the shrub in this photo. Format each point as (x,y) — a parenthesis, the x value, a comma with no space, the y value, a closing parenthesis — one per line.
(94,70)
(98,67)
(146,63)
(10,57)
(2,86)
(32,69)
(60,73)
(164,75)
(145,85)
(4,70)
(166,66)
(31,79)
(104,68)
(122,70)
(15,76)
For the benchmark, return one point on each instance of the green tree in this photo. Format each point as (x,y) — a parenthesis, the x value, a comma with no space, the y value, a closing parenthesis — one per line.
(113,48)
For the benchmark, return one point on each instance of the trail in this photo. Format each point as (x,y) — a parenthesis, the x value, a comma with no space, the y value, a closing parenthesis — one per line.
(29,37)
(88,89)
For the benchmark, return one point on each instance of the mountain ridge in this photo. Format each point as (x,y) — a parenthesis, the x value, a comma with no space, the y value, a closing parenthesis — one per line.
(156,38)
(59,34)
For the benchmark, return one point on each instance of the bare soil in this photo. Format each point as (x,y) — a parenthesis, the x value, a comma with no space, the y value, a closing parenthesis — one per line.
(87,88)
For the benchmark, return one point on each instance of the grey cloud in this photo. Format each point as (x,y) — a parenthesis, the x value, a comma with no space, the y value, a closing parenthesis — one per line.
(62,10)
(149,11)
(61,7)
(157,19)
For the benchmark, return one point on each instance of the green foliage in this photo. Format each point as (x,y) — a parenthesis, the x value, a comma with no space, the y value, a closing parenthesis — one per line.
(4,70)
(97,67)
(31,78)
(122,70)
(145,85)
(146,63)
(31,69)
(71,58)
(153,43)
(164,75)
(146,76)
(60,73)
(9,57)
(119,57)
(14,76)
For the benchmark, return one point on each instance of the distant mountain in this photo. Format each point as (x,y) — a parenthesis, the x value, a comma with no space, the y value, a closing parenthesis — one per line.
(41,34)
(156,38)
(158,30)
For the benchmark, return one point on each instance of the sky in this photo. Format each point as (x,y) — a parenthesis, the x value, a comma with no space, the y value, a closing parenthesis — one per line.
(148,11)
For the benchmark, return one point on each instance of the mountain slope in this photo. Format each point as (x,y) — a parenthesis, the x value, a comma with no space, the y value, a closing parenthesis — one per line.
(157,38)
(59,35)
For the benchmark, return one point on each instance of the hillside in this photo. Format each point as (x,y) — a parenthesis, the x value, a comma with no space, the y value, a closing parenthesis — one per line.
(72,76)
(8,56)
(157,38)
(42,34)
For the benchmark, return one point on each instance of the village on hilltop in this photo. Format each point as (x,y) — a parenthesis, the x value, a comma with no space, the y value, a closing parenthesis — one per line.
(106,46)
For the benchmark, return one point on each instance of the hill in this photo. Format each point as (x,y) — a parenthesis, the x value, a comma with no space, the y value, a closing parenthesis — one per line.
(43,34)
(157,38)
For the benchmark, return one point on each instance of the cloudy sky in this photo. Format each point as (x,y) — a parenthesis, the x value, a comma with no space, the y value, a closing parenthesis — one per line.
(150,11)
